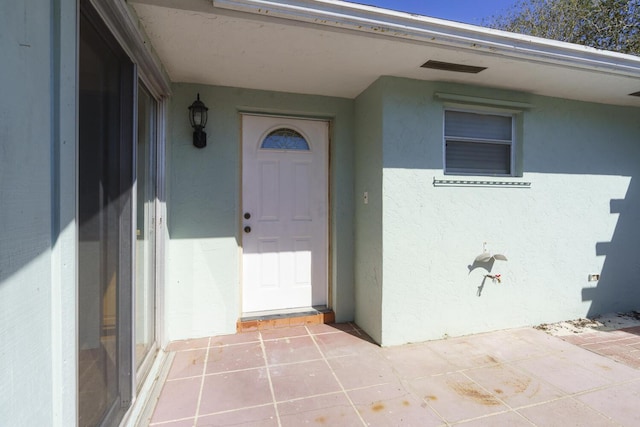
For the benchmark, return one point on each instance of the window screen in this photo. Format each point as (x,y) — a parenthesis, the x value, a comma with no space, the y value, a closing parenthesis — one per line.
(478,143)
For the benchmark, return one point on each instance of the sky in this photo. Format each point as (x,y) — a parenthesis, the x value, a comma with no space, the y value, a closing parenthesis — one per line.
(467,11)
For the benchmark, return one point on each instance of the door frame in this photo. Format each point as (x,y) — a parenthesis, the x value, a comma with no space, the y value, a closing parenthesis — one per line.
(329,178)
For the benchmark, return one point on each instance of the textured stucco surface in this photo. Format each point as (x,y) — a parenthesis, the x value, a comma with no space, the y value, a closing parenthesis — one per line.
(368,223)
(37,234)
(577,218)
(203,283)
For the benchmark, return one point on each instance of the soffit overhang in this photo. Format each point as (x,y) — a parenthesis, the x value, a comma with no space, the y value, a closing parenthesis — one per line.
(336,48)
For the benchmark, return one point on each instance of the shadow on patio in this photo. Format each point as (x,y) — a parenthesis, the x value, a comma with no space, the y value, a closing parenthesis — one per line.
(335,375)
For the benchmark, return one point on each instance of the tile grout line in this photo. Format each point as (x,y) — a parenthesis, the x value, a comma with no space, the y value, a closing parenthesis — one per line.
(567,397)
(273,394)
(163,423)
(204,371)
(344,391)
(211,374)
(231,411)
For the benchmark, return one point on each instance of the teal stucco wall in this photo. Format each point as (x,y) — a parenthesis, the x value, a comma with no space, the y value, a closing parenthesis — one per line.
(37,213)
(203,283)
(577,218)
(368,225)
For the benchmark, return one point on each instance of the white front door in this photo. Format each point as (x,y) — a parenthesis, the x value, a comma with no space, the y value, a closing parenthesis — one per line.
(285,213)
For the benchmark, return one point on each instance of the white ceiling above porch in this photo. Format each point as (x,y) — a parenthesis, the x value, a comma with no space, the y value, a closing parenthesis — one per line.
(334,48)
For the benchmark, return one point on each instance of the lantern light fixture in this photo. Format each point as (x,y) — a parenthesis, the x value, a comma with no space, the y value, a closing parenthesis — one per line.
(198,119)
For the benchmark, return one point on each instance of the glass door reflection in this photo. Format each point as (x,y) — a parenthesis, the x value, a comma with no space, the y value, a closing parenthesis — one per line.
(145,307)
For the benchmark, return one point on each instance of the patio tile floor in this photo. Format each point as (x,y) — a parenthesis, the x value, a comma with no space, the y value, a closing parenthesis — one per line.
(335,375)
(622,345)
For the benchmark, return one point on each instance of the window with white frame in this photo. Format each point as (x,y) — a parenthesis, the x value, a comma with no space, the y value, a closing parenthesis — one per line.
(478,143)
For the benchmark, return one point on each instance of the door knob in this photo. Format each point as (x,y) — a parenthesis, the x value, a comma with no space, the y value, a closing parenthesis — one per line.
(247,229)
(247,215)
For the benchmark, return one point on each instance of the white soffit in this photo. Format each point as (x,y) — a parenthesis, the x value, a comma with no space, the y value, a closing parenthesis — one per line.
(338,49)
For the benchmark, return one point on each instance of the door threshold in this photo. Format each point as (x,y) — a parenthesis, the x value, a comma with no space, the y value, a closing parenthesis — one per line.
(262,320)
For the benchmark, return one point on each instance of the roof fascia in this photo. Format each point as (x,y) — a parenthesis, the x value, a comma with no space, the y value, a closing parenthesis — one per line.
(373,20)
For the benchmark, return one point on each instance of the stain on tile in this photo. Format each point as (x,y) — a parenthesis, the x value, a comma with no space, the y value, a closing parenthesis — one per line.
(520,385)
(377,407)
(474,393)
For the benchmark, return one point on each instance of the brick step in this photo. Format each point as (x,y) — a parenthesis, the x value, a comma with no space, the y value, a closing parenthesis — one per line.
(262,321)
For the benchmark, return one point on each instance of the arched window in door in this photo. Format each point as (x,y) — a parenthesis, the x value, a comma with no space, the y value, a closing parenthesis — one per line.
(285,139)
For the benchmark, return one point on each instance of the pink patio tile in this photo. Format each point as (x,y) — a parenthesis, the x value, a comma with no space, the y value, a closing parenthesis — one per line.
(305,379)
(568,376)
(393,405)
(463,352)
(456,398)
(345,343)
(620,333)
(516,344)
(291,350)
(633,330)
(601,345)
(243,338)
(615,349)
(261,416)
(357,371)
(513,386)
(580,339)
(188,344)
(416,361)
(563,413)
(178,399)
(601,366)
(331,410)
(629,339)
(630,359)
(510,419)
(189,422)
(620,403)
(606,337)
(188,363)
(324,328)
(627,342)
(278,333)
(235,390)
(236,357)
(541,343)
(542,368)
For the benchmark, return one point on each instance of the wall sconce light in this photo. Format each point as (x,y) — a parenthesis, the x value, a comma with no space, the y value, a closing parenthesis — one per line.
(198,119)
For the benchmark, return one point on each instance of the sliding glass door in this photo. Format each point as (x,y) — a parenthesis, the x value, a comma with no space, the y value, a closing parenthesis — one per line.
(105,247)
(145,265)
(117,222)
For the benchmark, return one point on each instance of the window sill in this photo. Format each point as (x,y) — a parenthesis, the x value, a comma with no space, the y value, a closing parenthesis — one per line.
(480,183)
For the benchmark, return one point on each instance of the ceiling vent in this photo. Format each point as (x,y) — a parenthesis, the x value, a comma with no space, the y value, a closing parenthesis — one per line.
(635,94)
(450,66)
